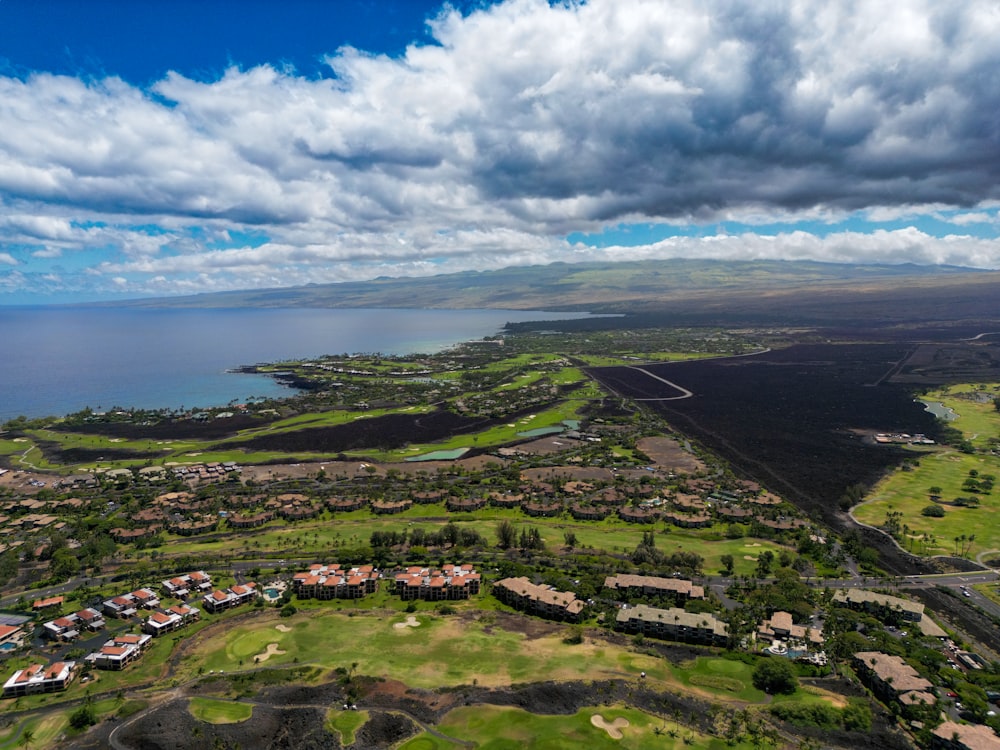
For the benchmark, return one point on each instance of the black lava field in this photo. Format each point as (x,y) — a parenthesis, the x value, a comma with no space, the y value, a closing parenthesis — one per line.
(791,418)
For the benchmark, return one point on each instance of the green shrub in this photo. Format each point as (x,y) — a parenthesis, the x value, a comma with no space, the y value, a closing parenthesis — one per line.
(934,511)
(857,716)
(812,714)
(83,717)
(574,637)
(775,676)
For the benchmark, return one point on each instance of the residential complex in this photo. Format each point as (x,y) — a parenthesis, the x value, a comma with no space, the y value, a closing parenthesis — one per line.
(451,582)
(890,678)
(780,627)
(192,584)
(69,627)
(673,624)
(167,621)
(128,605)
(120,651)
(635,585)
(326,582)
(881,606)
(40,678)
(544,601)
(234,596)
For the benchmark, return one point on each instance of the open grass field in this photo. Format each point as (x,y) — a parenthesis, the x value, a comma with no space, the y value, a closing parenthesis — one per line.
(908,492)
(473,648)
(439,653)
(215,711)
(498,728)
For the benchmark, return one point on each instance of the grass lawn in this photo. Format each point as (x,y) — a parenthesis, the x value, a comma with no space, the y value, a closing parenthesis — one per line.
(346,724)
(215,711)
(907,492)
(450,651)
(724,678)
(44,730)
(499,728)
(442,651)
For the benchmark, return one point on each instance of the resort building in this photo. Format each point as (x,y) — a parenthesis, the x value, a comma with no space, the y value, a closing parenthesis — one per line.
(192,584)
(890,678)
(12,634)
(167,621)
(950,735)
(450,583)
(51,603)
(120,651)
(40,678)
(327,582)
(633,585)
(781,628)
(543,601)
(673,624)
(235,596)
(882,606)
(385,507)
(69,627)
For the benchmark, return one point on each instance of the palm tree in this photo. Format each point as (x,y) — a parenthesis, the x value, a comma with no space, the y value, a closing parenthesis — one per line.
(27,737)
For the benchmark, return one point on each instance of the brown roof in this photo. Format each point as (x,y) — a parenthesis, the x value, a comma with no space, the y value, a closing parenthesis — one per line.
(972,736)
(904,678)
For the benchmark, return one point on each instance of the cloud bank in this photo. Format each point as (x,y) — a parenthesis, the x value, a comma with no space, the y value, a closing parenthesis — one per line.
(525,122)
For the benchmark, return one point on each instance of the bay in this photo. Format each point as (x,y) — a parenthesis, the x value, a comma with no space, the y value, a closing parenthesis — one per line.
(59,360)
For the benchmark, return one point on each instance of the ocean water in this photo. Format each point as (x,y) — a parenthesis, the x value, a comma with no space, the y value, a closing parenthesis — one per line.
(58,360)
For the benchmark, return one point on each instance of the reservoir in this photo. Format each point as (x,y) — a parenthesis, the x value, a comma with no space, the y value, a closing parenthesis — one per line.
(940,411)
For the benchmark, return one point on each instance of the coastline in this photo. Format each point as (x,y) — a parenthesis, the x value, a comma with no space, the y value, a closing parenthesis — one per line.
(64,360)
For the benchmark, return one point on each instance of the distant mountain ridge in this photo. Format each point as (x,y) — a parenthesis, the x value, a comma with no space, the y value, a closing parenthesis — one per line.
(624,286)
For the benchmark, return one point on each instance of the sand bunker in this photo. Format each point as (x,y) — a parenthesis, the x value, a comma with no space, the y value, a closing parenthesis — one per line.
(282,628)
(749,557)
(411,622)
(272,650)
(613,728)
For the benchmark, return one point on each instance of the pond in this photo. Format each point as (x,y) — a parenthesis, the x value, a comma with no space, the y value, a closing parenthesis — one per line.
(940,411)
(539,431)
(440,455)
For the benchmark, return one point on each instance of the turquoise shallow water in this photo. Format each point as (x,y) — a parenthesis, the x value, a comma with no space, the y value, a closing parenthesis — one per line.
(539,431)
(440,455)
(58,360)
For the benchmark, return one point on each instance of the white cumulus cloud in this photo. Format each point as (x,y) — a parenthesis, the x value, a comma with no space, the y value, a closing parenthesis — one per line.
(523,122)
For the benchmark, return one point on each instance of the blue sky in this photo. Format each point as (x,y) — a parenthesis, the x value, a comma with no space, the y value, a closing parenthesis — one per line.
(164,148)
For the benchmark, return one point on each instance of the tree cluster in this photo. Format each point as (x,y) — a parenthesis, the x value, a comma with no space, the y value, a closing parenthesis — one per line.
(449,535)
